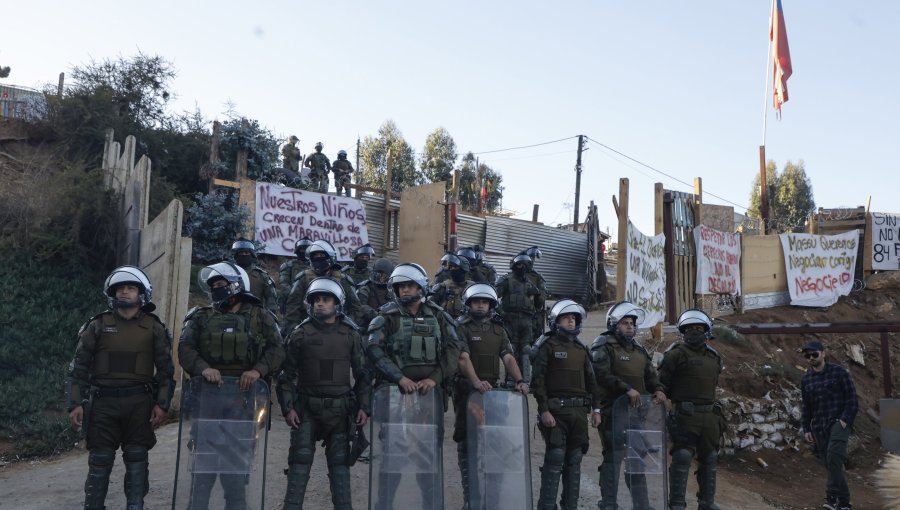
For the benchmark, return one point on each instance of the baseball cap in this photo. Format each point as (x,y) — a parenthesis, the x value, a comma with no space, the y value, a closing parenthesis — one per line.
(813,345)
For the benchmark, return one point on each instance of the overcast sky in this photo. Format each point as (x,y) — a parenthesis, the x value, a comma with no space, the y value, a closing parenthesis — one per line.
(678,86)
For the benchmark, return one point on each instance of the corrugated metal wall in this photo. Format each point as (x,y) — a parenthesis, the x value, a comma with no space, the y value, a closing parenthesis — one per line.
(375,224)
(564,253)
(563,262)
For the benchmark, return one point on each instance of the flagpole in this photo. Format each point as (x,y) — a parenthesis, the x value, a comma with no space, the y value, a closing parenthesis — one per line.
(763,186)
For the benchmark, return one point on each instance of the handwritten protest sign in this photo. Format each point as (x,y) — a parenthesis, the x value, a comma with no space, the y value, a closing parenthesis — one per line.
(718,261)
(885,241)
(285,215)
(819,268)
(645,276)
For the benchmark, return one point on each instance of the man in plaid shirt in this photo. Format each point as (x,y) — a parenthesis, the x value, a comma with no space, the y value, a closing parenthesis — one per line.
(829,407)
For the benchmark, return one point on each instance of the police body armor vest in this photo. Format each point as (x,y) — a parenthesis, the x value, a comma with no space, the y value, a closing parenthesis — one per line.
(296,268)
(358,276)
(124,349)
(485,341)
(565,368)
(454,304)
(697,377)
(517,300)
(628,365)
(325,356)
(232,340)
(417,341)
(318,162)
(342,165)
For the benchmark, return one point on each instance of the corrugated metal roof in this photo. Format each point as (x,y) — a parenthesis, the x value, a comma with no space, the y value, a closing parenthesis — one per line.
(375,224)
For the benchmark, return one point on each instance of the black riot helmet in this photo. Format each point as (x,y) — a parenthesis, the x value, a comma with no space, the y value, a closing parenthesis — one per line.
(301,246)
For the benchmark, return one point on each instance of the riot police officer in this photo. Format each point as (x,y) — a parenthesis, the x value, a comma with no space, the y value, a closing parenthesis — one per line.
(487,345)
(519,300)
(342,170)
(317,398)
(622,367)
(448,293)
(538,280)
(373,293)
(290,269)
(484,272)
(322,262)
(120,386)
(290,155)
(234,336)
(689,374)
(412,343)
(566,392)
(319,166)
(261,284)
(359,270)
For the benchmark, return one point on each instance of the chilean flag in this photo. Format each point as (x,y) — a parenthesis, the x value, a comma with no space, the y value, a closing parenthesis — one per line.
(781,54)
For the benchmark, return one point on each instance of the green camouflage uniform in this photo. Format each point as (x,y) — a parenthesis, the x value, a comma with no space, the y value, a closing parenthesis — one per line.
(290,157)
(319,166)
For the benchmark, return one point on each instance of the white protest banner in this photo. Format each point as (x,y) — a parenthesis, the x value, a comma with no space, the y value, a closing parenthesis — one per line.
(885,241)
(718,261)
(819,268)
(645,276)
(285,215)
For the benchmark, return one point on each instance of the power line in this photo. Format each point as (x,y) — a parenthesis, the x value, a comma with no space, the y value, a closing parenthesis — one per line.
(526,146)
(665,174)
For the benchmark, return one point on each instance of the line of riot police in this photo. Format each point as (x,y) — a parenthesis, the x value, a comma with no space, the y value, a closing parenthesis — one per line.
(420,345)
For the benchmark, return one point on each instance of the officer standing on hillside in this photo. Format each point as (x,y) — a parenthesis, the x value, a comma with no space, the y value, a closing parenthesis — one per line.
(261,284)
(120,386)
(566,392)
(689,374)
(290,155)
(291,268)
(319,166)
(622,367)
(234,337)
(317,398)
(829,409)
(342,170)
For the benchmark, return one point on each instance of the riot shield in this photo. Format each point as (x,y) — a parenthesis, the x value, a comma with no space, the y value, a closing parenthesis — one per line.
(499,453)
(221,437)
(639,450)
(405,468)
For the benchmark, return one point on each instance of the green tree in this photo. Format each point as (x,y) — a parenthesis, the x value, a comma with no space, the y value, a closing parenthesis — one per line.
(374,154)
(130,96)
(790,197)
(439,156)
(261,144)
(214,222)
(470,187)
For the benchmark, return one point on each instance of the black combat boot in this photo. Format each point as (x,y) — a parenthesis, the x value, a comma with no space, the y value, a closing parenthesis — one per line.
(679,471)
(706,480)
(137,476)
(100,464)
(298,477)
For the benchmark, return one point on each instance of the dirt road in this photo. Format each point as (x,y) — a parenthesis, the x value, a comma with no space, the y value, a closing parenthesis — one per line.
(59,483)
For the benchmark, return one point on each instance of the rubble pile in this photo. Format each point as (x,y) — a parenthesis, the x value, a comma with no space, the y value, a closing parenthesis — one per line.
(771,422)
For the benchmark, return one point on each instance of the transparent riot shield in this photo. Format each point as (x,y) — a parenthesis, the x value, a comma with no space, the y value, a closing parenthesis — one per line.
(221,446)
(499,452)
(639,450)
(405,468)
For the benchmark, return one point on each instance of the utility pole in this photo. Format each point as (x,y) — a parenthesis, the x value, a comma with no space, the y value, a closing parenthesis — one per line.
(359,179)
(578,180)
